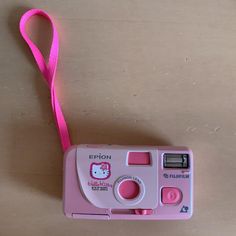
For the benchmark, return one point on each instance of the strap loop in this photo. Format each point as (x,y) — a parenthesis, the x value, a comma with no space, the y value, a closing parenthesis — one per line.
(48,71)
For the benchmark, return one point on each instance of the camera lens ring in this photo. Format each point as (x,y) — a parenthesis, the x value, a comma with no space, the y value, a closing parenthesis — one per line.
(132,201)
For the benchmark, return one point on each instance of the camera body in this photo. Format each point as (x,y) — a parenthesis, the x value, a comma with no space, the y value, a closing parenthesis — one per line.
(128,182)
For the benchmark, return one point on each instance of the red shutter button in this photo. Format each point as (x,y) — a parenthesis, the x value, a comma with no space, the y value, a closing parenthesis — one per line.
(171,195)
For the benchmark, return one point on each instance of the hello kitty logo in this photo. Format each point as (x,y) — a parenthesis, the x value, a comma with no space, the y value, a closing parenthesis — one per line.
(101,170)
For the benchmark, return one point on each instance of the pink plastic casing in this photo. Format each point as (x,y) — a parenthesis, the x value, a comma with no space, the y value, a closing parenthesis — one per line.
(83,198)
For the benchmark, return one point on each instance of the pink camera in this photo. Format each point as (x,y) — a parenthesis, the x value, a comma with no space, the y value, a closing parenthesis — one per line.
(112,181)
(128,182)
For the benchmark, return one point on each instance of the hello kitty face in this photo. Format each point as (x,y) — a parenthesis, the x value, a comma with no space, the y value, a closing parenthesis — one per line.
(100,170)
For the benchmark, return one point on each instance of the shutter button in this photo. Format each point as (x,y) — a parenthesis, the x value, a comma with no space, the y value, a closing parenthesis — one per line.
(171,195)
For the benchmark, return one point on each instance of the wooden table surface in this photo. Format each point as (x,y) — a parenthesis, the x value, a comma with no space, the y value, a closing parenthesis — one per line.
(130,72)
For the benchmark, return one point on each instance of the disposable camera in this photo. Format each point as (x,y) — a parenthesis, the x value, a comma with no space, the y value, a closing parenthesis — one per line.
(128,182)
(111,181)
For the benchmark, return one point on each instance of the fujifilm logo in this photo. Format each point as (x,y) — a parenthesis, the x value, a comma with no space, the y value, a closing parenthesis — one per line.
(176,176)
(100,157)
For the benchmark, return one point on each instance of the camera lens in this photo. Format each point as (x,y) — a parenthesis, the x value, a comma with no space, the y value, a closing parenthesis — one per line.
(129,189)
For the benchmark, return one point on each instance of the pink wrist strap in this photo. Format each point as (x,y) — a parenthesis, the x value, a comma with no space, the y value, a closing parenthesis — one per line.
(48,70)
